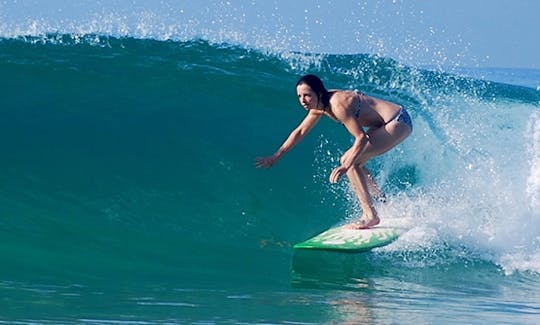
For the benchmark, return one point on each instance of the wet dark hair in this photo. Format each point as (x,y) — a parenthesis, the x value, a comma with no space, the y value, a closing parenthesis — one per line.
(317,86)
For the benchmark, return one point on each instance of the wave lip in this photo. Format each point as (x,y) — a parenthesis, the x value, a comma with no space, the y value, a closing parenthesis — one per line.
(218,24)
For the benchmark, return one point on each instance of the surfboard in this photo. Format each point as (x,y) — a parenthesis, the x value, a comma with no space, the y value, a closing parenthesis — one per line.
(351,240)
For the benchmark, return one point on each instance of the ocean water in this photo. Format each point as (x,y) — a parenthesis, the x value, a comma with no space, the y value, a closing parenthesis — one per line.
(128,192)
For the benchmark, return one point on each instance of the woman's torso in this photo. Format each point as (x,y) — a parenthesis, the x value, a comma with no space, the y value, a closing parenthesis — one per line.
(369,111)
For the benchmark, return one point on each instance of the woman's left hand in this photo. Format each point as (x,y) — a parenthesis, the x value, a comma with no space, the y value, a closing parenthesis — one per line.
(336,174)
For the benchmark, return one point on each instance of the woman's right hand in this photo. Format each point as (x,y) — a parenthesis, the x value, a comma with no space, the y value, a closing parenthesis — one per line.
(266,162)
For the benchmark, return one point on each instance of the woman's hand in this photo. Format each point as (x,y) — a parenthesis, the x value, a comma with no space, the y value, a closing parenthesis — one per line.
(266,162)
(336,174)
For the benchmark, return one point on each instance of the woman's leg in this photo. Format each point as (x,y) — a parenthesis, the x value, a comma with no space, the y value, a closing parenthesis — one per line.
(358,181)
(380,141)
(374,189)
(383,139)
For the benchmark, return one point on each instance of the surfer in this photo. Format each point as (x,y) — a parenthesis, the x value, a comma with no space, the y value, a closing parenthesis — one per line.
(387,125)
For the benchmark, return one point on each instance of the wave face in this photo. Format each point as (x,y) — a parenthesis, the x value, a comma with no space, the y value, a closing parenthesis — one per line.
(123,153)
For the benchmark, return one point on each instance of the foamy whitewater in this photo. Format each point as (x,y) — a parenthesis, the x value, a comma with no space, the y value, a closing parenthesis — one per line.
(129,193)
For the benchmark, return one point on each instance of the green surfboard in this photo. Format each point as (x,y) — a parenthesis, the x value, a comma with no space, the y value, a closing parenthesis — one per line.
(351,240)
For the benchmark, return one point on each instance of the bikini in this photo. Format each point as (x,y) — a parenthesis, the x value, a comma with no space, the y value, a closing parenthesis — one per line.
(403,117)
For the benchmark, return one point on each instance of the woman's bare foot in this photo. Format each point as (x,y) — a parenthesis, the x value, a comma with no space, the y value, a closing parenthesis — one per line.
(364,223)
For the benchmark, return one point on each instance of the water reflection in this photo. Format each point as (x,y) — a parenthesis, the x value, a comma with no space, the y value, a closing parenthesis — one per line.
(328,269)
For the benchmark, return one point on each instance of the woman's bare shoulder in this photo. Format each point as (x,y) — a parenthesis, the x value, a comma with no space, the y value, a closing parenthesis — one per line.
(343,96)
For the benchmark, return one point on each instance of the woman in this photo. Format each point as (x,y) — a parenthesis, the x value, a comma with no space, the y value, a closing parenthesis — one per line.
(387,124)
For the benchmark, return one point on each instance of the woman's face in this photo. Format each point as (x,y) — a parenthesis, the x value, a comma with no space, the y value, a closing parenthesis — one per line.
(307,97)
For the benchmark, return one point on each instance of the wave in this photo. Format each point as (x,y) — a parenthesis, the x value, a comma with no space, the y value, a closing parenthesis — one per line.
(142,136)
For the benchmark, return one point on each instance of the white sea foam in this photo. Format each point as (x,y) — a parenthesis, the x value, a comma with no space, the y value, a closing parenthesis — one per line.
(480,187)
(533,181)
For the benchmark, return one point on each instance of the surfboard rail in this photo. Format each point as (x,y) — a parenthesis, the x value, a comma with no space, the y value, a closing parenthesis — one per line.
(352,240)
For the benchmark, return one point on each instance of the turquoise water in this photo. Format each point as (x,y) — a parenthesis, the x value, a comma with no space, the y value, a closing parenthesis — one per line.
(129,194)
